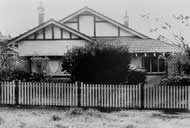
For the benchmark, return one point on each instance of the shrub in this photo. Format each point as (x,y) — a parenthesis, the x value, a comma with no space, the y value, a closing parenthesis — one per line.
(21,75)
(136,77)
(175,80)
(179,63)
(99,64)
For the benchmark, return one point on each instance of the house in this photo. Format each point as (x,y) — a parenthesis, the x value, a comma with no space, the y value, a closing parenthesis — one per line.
(84,27)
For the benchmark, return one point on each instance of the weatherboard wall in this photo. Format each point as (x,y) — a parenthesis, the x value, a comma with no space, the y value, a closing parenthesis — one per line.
(48,47)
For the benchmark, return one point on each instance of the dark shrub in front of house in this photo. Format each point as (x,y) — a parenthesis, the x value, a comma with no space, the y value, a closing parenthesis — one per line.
(175,80)
(101,64)
(136,77)
(98,64)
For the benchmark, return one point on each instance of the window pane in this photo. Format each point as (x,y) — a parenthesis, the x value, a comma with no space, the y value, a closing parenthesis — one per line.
(162,65)
(147,64)
(154,64)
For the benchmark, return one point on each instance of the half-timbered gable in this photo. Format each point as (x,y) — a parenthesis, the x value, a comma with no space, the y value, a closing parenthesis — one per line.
(94,24)
(50,39)
(52,32)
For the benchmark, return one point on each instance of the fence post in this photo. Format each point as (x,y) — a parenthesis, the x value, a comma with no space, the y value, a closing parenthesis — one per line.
(188,93)
(16,92)
(142,95)
(79,93)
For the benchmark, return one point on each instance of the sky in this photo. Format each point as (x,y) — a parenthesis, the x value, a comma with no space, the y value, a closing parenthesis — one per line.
(18,16)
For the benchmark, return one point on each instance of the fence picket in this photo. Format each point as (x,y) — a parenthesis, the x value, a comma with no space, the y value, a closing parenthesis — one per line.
(147,97)
(185,102)
(70,94)
(59,94)
(188,97)
(84,95)
(10,92)
(173,96)
(14,92)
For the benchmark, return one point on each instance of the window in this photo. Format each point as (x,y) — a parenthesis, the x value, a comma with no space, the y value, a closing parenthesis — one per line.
(153,64)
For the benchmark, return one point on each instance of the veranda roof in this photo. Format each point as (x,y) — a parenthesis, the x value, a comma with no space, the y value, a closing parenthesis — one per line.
(137,45)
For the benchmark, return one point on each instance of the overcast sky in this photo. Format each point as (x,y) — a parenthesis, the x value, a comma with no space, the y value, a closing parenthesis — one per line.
(17,16)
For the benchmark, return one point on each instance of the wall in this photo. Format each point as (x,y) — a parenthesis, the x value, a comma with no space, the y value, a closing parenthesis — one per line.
(48,47)
(95,26)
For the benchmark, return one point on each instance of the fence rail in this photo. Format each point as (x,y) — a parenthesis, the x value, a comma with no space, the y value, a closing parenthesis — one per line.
(94,95)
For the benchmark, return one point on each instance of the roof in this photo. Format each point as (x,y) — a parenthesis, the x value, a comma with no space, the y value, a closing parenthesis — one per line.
(86,9)
(9,50)
(41,26)
(136,45)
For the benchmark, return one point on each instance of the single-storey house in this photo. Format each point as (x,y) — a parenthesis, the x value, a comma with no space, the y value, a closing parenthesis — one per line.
(52,39)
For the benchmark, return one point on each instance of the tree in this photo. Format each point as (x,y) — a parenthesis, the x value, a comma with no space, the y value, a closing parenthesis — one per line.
(98,64)
(167,28)
(10,63)
(178,63)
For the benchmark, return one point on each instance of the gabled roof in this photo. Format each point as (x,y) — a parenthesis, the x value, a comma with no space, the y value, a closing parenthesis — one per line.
(136,45)
(86,9)
(49,22)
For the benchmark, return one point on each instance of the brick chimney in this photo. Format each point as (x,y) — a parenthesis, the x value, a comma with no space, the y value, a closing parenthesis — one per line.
(126,19)
(41,14)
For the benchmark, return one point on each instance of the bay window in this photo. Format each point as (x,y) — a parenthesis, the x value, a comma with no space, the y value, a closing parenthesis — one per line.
(153,64)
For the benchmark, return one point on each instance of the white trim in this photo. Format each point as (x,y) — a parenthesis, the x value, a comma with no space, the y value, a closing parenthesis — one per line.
(46,24)
(103,17)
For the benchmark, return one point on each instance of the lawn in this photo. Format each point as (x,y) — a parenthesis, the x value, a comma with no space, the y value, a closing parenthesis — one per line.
(78,118)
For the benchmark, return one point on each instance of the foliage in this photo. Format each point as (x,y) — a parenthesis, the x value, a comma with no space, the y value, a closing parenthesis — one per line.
(167,29)
(98,64)
(21,75)
(40,63)
(10,63)
(136,77)
(10,70)
(179,63)
(176,80)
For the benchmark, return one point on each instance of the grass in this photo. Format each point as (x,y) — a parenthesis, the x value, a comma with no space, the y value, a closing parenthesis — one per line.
(90,118)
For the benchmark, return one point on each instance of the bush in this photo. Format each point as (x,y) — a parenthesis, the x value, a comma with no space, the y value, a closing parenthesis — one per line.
(176,80)
(21,75)
(179,63)
(105,64)
(136,77)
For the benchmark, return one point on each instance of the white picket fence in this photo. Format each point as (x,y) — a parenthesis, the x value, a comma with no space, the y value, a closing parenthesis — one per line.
(44,93)
(167,97)
(7,94)
(94,95)
(114,96)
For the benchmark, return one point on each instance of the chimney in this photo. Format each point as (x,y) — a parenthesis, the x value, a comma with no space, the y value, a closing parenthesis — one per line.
(40,14)
(126,19)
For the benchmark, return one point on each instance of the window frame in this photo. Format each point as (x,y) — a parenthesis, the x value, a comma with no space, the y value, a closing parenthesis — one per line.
(150,70)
